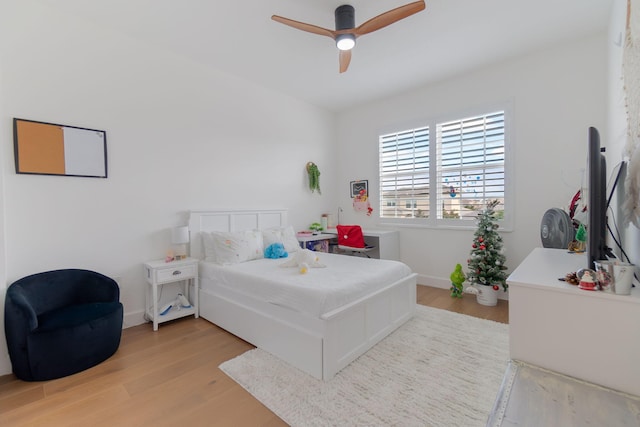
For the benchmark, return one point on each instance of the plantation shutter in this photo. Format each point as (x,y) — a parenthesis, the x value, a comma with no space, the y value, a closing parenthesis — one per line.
(471,165)
(404,174)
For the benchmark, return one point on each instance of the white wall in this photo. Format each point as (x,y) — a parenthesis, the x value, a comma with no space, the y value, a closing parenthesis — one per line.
(617,121)
(4,130)
(179,137)
(556,94)
(183,137)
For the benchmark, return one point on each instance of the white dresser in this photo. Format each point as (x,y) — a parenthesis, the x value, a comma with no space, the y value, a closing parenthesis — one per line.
(591,335)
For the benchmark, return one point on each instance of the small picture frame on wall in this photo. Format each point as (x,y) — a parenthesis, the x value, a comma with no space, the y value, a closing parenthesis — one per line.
(358,186)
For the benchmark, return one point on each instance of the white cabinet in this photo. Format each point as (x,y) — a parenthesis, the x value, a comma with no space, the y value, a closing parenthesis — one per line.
(591,335)
(182,277)
(387,243)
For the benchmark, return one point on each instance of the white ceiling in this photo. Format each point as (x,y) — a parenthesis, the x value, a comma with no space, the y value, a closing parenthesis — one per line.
(448,37)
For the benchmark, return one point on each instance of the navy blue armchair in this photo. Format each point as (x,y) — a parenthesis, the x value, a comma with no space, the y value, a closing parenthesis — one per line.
(61,322)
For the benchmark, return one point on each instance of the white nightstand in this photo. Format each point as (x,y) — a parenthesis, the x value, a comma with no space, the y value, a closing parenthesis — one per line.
(184,273)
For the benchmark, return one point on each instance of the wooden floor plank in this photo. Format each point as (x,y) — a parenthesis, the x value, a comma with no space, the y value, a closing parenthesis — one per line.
(168,377)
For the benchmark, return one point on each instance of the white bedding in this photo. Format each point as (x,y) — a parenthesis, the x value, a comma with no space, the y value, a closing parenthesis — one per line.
(321,290)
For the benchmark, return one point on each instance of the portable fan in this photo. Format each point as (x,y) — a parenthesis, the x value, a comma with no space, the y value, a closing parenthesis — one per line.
(556,230)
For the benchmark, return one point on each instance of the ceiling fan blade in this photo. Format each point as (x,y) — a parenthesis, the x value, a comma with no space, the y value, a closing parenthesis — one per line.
(304,27)
(345,59)
(389,17)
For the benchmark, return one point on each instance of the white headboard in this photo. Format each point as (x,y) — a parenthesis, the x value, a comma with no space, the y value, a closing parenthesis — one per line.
(229,220)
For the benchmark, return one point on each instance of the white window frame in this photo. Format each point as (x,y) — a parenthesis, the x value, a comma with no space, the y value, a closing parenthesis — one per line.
(505,224)
(409,157)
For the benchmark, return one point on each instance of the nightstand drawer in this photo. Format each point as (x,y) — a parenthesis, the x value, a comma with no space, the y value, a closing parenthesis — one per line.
(177,273)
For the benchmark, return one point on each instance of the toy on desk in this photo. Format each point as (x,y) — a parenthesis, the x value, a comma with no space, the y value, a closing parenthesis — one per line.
(457,279)
(304,259)
(316,228)
(275,250)
(180,302)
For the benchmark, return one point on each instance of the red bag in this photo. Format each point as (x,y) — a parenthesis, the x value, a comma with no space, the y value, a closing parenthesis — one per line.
(350,235)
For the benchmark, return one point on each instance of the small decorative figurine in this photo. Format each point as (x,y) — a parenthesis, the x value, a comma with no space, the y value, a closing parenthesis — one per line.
(316,228)
(457,279)
(587,281)
(580,242)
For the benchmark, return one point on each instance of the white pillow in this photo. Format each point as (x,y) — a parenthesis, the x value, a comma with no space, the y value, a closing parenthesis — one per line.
(284,235)
(255,244)
(233,248)
(209,247)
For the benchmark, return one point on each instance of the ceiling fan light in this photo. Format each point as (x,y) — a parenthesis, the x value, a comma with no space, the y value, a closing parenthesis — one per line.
(345,41)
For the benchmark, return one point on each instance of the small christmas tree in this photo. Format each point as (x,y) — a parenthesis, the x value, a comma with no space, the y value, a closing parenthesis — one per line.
(486,263)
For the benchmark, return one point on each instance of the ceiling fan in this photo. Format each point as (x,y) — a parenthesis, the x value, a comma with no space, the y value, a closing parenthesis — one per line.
(346,31)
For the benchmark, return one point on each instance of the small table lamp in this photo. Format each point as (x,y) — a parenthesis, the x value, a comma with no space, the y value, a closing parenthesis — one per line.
(179,239)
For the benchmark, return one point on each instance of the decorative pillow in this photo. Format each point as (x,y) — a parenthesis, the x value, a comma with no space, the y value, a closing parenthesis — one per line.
(232,248)
(284,235)
(271,236)
(209,247)
(255,244)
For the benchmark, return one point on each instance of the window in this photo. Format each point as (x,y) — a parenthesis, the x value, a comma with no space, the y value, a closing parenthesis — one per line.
(404,174)
(466,160)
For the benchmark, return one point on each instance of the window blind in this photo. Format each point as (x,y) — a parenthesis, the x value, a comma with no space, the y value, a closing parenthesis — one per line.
(404,174)
(471,161)
(466,163)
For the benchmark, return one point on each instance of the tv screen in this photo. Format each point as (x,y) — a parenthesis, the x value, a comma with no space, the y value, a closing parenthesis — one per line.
(597,200)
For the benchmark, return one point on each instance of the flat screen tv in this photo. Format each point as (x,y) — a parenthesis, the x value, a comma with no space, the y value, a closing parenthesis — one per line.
(597,200)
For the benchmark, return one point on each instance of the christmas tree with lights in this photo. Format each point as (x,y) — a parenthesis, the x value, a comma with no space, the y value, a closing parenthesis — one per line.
(487,262)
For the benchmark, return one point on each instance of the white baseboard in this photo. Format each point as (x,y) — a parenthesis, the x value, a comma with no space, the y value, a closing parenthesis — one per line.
(133,319)
(442,283)
(434,282)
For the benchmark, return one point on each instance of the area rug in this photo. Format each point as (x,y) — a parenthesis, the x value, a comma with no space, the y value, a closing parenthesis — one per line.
(438,369)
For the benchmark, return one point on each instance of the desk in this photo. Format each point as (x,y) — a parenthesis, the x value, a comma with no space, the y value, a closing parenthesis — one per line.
(591,335)
(315,242)
(386,242)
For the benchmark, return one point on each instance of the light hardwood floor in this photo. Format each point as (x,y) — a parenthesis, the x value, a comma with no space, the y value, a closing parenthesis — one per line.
(168,378)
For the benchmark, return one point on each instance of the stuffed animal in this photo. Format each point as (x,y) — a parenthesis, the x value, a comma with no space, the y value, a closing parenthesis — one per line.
(303,259)
(457,279)
(275,250)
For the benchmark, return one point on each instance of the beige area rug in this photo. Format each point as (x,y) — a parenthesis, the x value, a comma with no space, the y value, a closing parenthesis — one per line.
(438,369)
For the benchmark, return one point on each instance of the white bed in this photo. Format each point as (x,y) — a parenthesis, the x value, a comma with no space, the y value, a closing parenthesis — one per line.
(315,332)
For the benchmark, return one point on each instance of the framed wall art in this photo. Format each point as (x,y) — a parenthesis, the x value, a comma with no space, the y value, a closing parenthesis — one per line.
(51,149)
(358,186)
